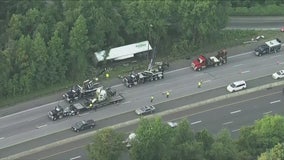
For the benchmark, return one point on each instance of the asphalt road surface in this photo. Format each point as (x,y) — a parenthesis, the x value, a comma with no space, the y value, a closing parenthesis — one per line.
(262,23)
(231,114)
(33,123)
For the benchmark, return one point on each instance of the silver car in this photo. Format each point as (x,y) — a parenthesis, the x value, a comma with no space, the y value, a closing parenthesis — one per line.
(145,110)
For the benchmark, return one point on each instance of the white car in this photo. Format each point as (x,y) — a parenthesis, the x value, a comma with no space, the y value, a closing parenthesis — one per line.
(173,124)
(278,75)
(236,86)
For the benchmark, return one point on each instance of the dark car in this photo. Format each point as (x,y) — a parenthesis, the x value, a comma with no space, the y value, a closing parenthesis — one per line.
(83,125)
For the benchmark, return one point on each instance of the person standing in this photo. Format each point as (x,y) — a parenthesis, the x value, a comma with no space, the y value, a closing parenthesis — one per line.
(167,94)
(107,75)
(199,84)
(152,99)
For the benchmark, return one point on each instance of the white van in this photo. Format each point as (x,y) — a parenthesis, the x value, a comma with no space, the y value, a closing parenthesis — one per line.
(236,86)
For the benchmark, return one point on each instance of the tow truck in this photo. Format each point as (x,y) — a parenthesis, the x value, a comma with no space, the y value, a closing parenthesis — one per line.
(77,92)
(59,111)
(102,98)
(203,62)
(154,72)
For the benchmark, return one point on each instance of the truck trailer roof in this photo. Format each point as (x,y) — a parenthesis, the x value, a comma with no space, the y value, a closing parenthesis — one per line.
(273,43)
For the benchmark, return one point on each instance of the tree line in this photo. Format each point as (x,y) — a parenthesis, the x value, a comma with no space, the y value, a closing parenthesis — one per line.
(48,42)
(264,140)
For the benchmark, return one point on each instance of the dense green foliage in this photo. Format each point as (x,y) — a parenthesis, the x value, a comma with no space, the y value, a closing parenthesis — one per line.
(107,145)
(277,152)
(256,8)
(156,140)
(45,43)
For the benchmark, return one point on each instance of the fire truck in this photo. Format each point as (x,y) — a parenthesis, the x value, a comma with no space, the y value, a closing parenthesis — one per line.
(203,62)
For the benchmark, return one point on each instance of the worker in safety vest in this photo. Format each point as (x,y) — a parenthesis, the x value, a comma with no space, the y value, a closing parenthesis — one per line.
(199,84)
(167,94)
(152,99)
(107,75)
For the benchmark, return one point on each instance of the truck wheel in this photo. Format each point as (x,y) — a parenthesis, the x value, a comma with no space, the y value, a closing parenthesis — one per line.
(54,119)
(129,86)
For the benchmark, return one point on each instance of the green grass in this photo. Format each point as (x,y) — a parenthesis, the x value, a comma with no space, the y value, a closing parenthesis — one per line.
(227,39)
(268,10)
(40,93)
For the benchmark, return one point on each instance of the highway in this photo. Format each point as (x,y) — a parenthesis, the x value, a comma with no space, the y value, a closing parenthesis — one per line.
(33,123)
(231,114)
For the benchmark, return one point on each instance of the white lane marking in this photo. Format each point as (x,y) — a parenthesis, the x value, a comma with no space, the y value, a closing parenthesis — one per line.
(75,157)
(2,138)
(196,122)
(241,54)
(236,130)
(176,70)
(238,65)
(126,102)
(235,111)
(226,123)
(267,112)
(245,71)
(38,127)
(118,85)
(277,101)
(10,115)
(207,81)
(161,84)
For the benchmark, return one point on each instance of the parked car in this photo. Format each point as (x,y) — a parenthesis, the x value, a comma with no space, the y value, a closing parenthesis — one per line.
(278,75)
(83,125)
(145,110)
(236,86)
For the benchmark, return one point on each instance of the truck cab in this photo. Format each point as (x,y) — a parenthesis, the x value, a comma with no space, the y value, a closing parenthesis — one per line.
(199,63)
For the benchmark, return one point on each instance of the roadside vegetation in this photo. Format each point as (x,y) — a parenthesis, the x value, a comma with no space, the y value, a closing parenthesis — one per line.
(256,8)
(156,140)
